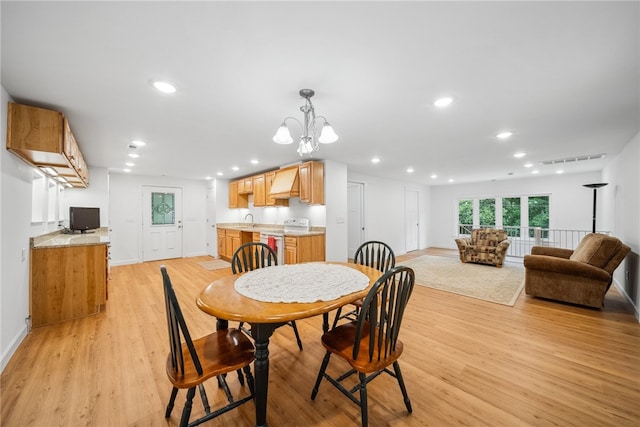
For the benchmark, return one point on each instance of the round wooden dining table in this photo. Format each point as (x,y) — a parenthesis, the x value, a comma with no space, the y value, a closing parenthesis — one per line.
(222,300)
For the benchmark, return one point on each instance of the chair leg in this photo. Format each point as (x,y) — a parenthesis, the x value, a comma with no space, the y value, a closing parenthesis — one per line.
(250,383)
(335,319)
(172,399)
(205,401)
(407,402)
(240,377)
(186,412)
(323,368)
(222,383)
(364,411)
(295,330)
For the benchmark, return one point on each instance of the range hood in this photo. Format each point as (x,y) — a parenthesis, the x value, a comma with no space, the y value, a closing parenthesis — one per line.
(286,184)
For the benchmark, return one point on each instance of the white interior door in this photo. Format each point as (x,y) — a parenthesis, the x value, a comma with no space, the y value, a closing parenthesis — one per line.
(355,216)
(412,225)
(212,235)
(161,223)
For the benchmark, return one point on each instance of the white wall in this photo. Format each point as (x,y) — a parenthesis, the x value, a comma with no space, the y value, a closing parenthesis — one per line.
(570,204)
(15,227)
(96,195)
(621,214)
(384,210)
(125,215)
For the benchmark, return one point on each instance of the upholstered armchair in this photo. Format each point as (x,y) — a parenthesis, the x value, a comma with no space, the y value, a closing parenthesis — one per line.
(582,276)
(485,246)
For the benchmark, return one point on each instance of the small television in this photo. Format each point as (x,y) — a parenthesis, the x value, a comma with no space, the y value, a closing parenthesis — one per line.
(84,219)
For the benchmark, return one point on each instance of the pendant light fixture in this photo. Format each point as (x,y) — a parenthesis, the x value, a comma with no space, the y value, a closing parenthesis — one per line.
(311,139)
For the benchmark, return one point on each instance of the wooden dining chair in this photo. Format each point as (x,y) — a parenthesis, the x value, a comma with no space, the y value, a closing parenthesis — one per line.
(251,256)
(370,345)
(374,254)
(192,362)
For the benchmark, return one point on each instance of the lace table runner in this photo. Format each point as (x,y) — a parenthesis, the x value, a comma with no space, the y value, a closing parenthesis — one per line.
(309,282)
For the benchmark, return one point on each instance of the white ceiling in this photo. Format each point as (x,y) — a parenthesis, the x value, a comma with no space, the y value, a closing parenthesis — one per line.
(563,76)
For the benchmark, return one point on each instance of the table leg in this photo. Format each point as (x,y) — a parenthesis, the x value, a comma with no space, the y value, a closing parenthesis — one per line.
(325,322)
(261,332)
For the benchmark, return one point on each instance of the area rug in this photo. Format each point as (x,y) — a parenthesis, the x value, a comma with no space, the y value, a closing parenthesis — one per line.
(216,264)
(485,282)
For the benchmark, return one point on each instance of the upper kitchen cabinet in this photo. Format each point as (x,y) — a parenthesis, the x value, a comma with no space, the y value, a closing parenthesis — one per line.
(43,138)
(312,183)
(245,185)
(237,200)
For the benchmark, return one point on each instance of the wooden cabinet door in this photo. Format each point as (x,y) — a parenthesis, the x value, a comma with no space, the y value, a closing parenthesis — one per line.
(221,243)
(312,182)
(259,187)
(248,184)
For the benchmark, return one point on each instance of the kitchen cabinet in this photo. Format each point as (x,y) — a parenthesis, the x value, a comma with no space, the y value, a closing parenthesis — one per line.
(304,248)
(67,282)
(245,185)
(255,236)
(311,175)
(259,187)
(229,241)
(43,138)
(237,200)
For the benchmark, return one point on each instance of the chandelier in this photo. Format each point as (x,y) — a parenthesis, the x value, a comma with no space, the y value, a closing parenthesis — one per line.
(310,140)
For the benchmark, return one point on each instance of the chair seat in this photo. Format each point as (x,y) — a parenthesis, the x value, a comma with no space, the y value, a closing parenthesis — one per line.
(340,341)
(231,350)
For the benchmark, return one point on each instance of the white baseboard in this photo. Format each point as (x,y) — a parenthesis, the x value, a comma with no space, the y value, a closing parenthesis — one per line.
(636,310)
(8,353)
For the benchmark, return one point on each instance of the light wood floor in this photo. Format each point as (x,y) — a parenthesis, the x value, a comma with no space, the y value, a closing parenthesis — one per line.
(466,362)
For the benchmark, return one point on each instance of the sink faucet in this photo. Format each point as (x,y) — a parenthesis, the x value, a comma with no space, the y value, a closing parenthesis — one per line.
(245,218)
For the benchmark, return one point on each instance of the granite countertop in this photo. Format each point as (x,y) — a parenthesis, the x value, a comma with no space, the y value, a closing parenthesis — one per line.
(271,228)
(58,239)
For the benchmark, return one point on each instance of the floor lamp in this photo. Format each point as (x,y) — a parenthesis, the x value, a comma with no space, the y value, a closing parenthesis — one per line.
(595,188)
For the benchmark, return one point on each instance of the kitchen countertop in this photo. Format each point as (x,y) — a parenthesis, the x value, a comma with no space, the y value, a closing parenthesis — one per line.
(58,239)
(270,228)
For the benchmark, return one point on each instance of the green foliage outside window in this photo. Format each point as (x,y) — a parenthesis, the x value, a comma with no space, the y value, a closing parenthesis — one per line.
(511,215)
(539,214)
(487,212)
(465,216)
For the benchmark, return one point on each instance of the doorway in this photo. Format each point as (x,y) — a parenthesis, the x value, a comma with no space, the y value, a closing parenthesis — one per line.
(161,223)
(355,216)
(412,224)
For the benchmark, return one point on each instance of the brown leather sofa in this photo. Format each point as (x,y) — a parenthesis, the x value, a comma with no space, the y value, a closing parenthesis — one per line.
(485,246)
(582,276)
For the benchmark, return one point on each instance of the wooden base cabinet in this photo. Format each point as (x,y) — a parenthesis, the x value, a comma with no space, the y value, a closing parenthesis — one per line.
(304,249)
(67,282)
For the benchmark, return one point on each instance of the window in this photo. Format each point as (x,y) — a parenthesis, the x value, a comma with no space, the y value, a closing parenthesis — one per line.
(511,215)
(539,214)
(465,216)
(487,212)
(163,208)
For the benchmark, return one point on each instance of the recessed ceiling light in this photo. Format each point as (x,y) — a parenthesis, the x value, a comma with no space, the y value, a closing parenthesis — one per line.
(134,155)
(451,180)
(219,173)
(130,164)
(535,171)
(434,176)
(208,178)
(528,165)
(519,155)
(409,170)
(443,102)
(126,170)
(138,143)
(504,135)
(164,87)
(254,162)
(235,168)
(559,171)
(375,160)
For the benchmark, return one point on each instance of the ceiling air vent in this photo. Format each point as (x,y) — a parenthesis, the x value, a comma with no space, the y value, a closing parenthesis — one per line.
(573,159)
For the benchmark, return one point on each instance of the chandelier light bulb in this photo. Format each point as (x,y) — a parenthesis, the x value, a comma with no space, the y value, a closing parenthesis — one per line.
(283,136)
(328,135)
